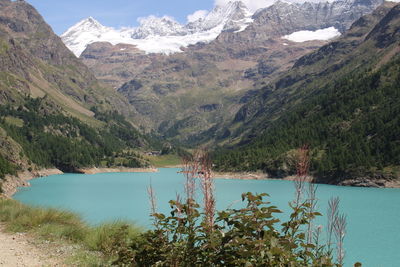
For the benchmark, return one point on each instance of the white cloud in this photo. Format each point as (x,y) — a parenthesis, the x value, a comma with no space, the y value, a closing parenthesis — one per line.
(253,5)
(303,36)
(199,14)
(396,1)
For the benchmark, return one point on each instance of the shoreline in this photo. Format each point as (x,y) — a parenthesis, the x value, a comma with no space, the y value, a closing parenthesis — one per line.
(253,176)
(21,179)
(115,170)
(355,182)
(11,183)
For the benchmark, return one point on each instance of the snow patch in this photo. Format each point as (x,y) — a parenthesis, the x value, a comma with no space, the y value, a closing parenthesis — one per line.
(395,1)
(322,34)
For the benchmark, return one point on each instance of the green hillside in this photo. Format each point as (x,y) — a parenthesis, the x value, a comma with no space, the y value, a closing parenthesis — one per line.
(352,126)
(341,102)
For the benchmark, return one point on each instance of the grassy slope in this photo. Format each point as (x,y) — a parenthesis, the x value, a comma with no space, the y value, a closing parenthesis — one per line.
(165,160)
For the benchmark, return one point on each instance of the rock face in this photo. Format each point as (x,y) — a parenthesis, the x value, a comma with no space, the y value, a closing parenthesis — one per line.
(311,16)
(169,91)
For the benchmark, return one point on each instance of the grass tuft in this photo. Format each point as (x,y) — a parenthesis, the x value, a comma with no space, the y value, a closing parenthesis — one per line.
(49,223)
(97,245)
(104,237)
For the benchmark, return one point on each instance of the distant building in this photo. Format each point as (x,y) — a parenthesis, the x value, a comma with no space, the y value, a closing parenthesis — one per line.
(154,153)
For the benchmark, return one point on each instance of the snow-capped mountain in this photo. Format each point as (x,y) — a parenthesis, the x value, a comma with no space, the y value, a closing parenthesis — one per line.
(89,31)
(161,35)
(165,35)
(234,16)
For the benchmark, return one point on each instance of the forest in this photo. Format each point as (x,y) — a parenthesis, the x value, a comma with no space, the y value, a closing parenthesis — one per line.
(351,124)
(52,139)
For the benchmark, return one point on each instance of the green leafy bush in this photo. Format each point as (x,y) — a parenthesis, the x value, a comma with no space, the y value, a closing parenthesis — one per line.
(249,236)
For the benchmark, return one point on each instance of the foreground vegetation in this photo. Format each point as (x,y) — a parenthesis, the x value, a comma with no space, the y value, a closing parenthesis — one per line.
(244,237)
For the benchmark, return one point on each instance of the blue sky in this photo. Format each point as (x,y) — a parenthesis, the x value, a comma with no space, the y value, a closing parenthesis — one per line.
(62,14)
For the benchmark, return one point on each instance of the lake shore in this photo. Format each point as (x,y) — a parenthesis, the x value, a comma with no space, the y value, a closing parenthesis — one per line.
(357,182)
(111,170)
(253,176)
(12,182)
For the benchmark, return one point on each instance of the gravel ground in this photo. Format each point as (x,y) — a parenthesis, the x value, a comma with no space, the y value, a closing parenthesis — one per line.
(17,250)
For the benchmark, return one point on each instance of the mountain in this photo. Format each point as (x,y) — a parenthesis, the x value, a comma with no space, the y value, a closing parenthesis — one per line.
(35,61)
(187,96)
(165,35)
(160,35)
(234,16)
(341,100)
(53,111)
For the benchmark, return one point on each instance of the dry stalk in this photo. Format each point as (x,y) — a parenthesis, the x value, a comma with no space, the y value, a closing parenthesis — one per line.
(340,233)
(199,166)
(152,198)
(333,213)
(303,161)
(312,201)
(207,186)
(302,169)
(153,205)
(190,169)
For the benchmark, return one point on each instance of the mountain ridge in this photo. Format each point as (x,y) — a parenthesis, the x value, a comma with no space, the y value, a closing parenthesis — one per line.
(167,36)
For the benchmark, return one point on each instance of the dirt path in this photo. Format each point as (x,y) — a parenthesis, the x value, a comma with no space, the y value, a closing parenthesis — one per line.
(17,250)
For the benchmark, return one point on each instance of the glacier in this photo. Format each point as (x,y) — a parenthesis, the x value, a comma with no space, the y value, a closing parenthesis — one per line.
(161,34)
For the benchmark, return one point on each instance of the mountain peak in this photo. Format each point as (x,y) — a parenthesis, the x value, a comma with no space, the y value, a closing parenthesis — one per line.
(88,24)
(233,16)
(89,21)
(157,26)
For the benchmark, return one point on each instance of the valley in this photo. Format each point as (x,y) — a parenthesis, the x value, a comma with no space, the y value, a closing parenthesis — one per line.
(245,94)
(249,88)
(111,135)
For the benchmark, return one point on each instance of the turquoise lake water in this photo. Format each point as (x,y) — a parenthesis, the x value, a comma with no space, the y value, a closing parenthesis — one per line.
(373,215)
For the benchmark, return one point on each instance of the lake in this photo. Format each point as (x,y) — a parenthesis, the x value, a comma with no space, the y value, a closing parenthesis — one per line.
(373,214)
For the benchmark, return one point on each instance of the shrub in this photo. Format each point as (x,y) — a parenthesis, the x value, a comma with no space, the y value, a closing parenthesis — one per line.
(240,237)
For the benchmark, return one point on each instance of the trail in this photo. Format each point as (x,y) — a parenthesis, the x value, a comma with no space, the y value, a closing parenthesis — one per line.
(18,250)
